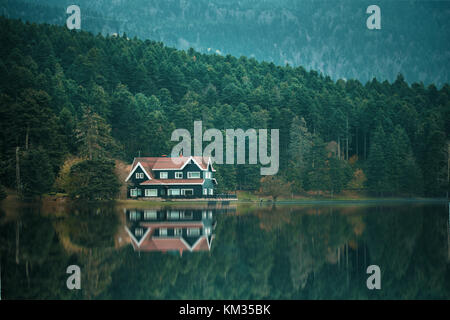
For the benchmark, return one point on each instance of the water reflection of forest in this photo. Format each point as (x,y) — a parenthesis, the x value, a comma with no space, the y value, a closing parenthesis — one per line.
(288,252)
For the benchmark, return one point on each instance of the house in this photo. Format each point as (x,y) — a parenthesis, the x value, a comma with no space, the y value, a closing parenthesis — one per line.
(170,230)
(167,177)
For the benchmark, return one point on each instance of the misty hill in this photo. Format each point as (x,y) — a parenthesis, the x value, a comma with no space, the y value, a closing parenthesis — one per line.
(326,36)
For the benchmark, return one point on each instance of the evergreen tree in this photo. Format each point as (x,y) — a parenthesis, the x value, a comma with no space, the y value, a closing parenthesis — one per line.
(94,136)
(36,172)
(376,165)
(93,180)
(300,145)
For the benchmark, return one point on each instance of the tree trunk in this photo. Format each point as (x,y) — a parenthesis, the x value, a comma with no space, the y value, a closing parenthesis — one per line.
(448,235)
(339,148)
(19,188)
(17,241)
(448,166)
(346,152)
(27,273)
(365,146)
(26,137)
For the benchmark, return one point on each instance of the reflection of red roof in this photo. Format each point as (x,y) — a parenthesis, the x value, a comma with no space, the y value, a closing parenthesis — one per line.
(163,244)
(172,181)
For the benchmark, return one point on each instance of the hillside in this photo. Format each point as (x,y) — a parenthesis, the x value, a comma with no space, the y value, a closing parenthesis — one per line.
(326,36)
(391,138)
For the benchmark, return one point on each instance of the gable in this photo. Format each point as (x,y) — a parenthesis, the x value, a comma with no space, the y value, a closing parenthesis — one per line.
(141,169)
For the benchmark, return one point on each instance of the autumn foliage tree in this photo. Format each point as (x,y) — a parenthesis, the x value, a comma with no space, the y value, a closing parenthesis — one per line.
(274,187)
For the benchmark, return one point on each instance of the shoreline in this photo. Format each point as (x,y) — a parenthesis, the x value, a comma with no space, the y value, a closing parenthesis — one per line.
(249,199)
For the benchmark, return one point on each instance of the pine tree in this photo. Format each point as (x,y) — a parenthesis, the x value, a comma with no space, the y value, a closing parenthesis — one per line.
(376,165)
(94,136)
(37,174)
(300,144)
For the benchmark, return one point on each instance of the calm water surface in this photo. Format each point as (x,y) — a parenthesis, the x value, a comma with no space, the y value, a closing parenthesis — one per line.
(316,251)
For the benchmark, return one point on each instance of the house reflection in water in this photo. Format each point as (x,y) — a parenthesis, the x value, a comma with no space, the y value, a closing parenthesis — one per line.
(171,230)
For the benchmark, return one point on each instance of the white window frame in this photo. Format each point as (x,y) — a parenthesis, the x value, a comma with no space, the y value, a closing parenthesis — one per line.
(189,175)
(177,232)
(173,215)
(148,192)
(185,215)
(139,175)
(207,175)
(150,214)
(139,232)
(211,191)
(170,192)
(183,191)
(134,192)
(163,175)
(193,231)
(205,191)
(161,232)
(179,175)
(134,215)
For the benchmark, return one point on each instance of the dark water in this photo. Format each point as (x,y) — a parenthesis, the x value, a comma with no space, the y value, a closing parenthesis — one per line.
(317,251)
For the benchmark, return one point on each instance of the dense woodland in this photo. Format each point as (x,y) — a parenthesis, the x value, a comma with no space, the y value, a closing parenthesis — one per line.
(66,94)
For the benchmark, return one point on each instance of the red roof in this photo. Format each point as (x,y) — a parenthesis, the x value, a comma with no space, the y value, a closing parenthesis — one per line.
(169,163)
(172,181)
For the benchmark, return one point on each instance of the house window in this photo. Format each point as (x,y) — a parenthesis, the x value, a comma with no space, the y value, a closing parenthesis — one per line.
(187,192)
(174,215)
(174,192)
(139,175)
(193,232)
(207,175)
(205,192)
(207,231)
(193,175)
(150,214)
(177,232)
(133,192)
(151,192)
(163,175)
(139,232)
(178,175)
(211,192)
(134,216)
(163,232)
(186,215)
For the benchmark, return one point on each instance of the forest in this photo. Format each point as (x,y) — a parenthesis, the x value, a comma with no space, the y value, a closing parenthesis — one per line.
(68,95)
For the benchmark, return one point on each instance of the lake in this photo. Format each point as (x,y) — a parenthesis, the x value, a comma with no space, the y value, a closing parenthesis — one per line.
(225,251)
